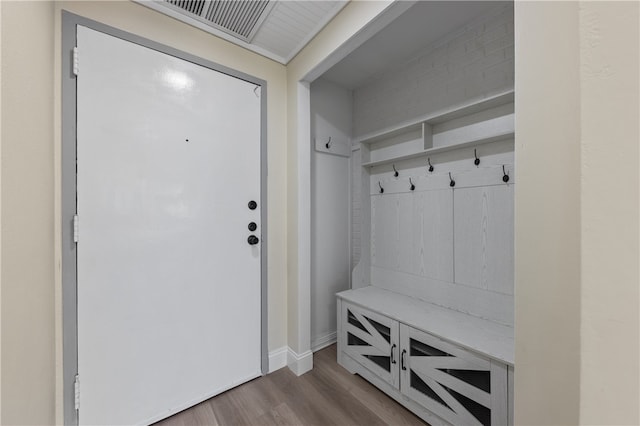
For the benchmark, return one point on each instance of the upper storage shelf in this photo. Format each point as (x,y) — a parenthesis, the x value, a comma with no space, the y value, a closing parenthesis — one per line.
(470,124)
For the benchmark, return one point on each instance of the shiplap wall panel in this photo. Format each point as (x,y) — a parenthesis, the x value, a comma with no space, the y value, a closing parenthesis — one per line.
(433,234)
(384,231)
(356,208)
(501,265)
(406,231)
(427,232)
(497,307)
(419,243)
(483,237)
(413,233)
(473,61)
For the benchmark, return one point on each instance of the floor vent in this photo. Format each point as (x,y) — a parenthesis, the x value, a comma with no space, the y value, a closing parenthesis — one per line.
(240,18)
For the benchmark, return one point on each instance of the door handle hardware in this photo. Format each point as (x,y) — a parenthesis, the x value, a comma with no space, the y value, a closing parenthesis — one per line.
(252,205)
(402,366)
(253,240)
(393,360)
(252,226)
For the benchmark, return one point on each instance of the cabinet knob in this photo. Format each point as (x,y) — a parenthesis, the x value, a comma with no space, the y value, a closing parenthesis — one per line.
(253,240)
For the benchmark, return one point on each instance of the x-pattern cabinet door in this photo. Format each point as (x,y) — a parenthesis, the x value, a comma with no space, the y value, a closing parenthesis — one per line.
(371,340)
(458,386)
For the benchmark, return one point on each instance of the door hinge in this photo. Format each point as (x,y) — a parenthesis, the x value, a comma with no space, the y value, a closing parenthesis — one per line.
(75,61)
(76,392)
(75,228)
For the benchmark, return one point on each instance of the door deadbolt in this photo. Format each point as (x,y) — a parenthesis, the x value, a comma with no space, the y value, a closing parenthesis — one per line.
(252,226)
(252,205)
(253,240)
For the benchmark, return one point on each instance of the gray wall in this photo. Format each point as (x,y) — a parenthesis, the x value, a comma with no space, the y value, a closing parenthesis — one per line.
(330,257)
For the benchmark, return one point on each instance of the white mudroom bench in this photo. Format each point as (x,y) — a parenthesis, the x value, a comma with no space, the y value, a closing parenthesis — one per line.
(445,366)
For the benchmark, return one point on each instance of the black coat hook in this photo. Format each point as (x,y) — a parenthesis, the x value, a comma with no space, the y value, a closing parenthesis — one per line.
(412,187)
(395,171)
(505,176)
(328,144)
(477,160)
(381,188)
(430,166)
(452,182)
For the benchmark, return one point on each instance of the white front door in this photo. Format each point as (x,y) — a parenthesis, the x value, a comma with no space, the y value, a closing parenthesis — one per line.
(169,290)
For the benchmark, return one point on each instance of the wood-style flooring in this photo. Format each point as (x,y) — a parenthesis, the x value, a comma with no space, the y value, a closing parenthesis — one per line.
(327,395)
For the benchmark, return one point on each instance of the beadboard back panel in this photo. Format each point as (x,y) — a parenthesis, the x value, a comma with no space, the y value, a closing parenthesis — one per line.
(413,233)
(483,237)
(448,245)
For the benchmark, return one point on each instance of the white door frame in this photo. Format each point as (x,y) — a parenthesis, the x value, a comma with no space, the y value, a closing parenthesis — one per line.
(68,189)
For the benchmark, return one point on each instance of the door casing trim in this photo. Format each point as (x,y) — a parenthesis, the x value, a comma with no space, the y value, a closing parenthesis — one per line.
(68,192)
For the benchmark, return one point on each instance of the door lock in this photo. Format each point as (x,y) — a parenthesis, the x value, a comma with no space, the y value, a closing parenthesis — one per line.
(253,240)
(252,205)
(252,226)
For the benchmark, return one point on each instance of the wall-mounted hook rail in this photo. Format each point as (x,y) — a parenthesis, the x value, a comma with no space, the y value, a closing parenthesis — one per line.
(412,187)
(452,182)
(395,172)
(505,175)
(477,160)
(430,166)
(381,188)
(328,144)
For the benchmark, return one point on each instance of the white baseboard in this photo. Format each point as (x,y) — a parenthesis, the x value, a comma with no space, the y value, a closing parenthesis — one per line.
(299,363)
(285,356)
(323,341)
(278,359)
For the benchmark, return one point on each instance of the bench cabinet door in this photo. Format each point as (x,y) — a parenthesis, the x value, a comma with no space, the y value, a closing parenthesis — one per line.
(371,340)
(459,386)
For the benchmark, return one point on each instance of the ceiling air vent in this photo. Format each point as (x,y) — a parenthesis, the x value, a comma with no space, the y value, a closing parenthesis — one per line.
(240,18)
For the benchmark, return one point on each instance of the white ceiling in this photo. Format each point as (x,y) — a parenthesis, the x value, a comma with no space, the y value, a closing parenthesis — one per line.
(282,30)
(292,24)
(404,38)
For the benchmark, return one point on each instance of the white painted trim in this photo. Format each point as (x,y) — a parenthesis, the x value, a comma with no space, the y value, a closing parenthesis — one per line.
(278,359)
(350,211)
(323,341)
(299,363)
(304,217)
